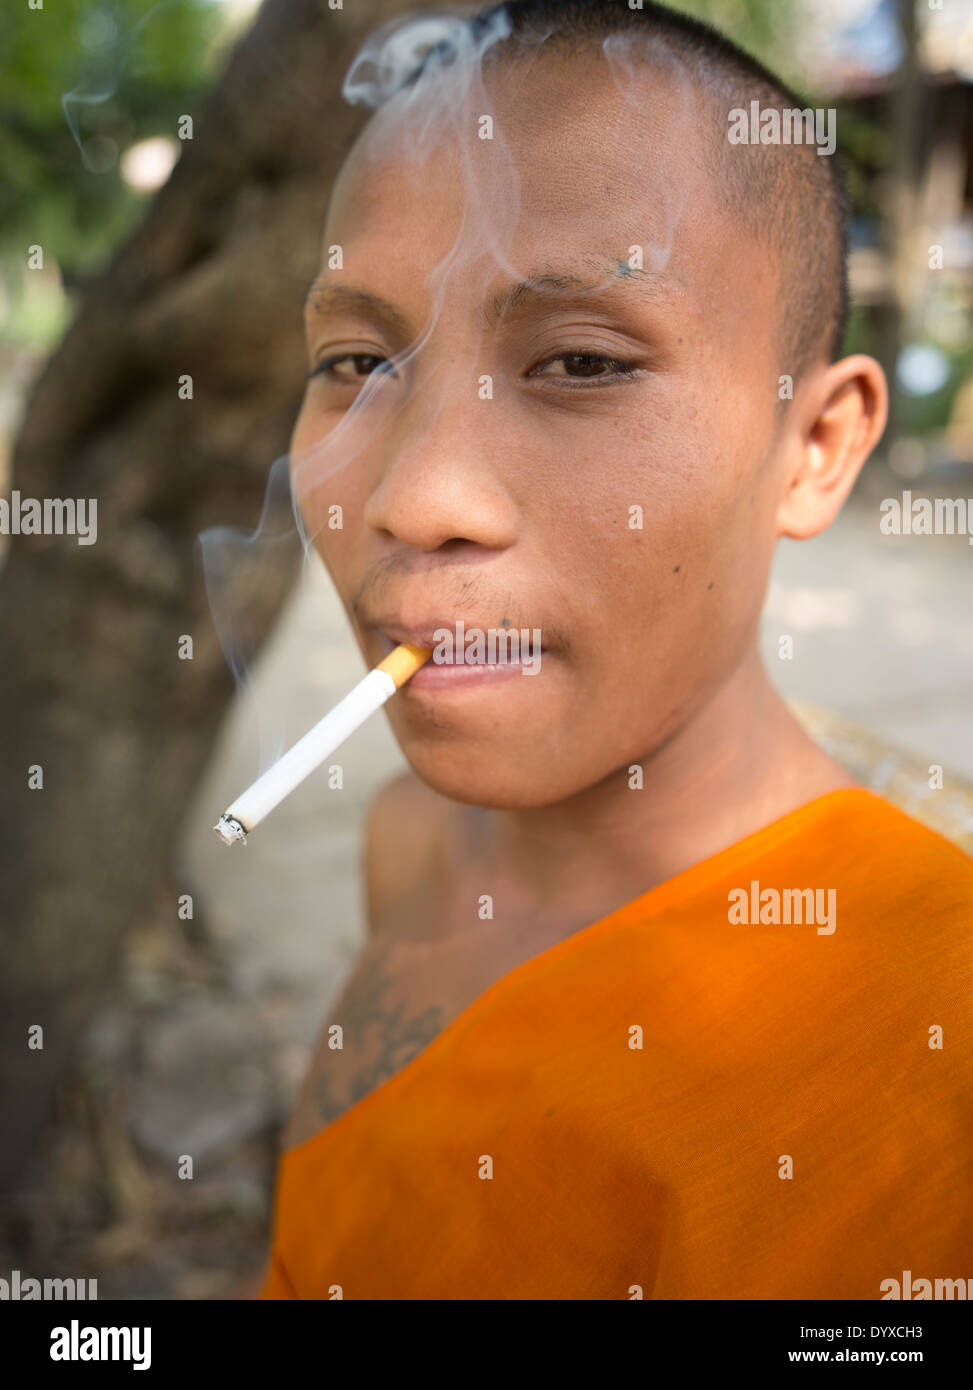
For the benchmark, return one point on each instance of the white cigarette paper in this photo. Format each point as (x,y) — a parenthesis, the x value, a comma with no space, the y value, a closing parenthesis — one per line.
(328,734)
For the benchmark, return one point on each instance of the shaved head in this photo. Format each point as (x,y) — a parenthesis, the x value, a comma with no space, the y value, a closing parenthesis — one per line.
(789,197)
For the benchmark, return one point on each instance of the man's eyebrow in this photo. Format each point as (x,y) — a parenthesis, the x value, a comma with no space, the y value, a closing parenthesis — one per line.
(544,282)
(549,281)
(325,298)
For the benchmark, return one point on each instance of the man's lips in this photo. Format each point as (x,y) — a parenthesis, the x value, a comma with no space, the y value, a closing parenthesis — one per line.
(495,662)
(417,635)
(391,633)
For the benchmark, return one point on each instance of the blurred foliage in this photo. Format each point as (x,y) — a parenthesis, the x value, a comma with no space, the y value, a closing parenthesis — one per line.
(80,82)
(864,148)
(765,28)
(926,414)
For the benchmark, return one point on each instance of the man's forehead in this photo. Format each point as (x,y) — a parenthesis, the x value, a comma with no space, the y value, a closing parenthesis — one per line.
(562,236)
(564,140)
(585,196)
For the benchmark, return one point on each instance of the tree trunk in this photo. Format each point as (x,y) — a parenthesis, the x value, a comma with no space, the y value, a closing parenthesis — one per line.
(94,692)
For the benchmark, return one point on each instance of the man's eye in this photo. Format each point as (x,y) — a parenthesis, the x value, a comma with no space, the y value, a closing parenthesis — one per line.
(582,365)
(361,362)
(578,366)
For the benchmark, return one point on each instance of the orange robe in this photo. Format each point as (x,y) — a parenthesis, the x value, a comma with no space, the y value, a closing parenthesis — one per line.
(673,1103)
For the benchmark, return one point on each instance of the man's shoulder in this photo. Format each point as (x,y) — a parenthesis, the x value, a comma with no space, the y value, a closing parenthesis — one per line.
(907,883)
(912,841)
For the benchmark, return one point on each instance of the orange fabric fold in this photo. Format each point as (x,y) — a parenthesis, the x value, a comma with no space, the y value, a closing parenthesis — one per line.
(676,1104)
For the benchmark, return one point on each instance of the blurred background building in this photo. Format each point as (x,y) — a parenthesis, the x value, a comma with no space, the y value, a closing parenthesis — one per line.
(181,986)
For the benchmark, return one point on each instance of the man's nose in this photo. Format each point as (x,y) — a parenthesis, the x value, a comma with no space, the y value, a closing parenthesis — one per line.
(440,475)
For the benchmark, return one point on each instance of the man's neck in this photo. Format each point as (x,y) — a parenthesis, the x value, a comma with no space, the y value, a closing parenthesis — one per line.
(741,763)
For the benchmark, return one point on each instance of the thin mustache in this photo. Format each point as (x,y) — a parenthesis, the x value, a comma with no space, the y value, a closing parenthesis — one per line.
(366,612)
(373,598)
(405,567)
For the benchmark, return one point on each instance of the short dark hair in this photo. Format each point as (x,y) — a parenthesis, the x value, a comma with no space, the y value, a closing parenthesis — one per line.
(789,196)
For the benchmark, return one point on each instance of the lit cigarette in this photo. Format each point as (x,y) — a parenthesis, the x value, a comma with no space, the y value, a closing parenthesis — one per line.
(310,751)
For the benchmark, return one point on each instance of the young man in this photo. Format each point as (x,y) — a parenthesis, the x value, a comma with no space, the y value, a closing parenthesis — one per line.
(656,1001)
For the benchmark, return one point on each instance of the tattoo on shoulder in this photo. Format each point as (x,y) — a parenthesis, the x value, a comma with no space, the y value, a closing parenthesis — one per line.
(380,1039)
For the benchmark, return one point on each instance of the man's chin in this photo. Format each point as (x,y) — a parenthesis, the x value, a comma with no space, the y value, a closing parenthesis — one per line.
(500,778)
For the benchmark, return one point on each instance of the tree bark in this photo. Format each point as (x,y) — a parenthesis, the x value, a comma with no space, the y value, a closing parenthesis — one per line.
(210,284)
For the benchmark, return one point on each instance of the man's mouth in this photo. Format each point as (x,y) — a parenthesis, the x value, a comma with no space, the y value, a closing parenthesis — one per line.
(464,653)
(459,642)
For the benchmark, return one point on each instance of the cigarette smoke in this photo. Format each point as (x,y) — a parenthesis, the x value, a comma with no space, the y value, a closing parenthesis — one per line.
(111,51)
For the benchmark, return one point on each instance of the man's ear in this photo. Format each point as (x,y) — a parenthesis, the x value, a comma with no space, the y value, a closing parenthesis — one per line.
(837,419)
